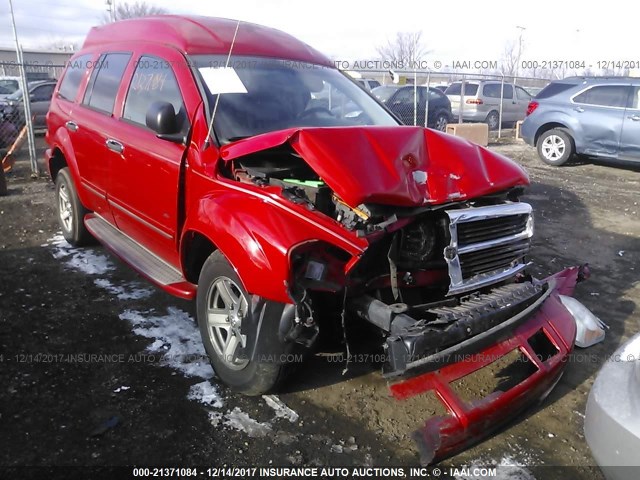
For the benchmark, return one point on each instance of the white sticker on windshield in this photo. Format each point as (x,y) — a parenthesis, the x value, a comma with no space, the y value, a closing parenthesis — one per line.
(222,80)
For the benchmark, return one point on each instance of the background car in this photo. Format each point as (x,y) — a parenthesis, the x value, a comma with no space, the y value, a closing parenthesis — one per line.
(400,100)
(368,83)
(12,108)
(8,85)
(482,101)
(596,116)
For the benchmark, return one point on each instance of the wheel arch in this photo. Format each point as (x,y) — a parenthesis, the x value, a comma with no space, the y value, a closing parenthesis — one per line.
(254,237)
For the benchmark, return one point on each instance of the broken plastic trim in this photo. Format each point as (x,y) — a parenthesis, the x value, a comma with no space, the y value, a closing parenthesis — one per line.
(468,423)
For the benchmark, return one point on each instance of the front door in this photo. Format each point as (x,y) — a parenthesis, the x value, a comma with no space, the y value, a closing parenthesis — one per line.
(143,192)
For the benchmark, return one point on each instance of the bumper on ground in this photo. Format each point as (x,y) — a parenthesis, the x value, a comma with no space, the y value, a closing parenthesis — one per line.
(545,341)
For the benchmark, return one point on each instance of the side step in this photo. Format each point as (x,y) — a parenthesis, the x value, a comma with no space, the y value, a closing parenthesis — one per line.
(141,259)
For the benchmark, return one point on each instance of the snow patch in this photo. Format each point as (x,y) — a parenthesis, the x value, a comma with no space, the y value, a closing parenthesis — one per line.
(176,338)
(508,468)
(281,409)
(205,392)
(128,291)
(241,421)
(84,260)
(123,388)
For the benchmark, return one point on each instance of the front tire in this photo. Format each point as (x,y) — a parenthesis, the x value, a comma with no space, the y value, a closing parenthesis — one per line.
(70,211)
(555,147)
(224,314)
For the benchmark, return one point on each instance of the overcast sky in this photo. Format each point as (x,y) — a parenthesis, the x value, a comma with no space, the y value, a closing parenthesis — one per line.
(461,30)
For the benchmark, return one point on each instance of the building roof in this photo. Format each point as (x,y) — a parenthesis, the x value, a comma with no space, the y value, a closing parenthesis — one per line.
(206,35)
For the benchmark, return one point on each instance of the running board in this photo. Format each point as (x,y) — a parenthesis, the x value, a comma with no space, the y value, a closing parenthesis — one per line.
(141,259)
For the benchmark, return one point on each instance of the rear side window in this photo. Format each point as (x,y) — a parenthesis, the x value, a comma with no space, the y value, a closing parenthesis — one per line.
(73,77)
(105,80)
(470,89)
(492,90)
(605,96)
(553,89)
(153,81)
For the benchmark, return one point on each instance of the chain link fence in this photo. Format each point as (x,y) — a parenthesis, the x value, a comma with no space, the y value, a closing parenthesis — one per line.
(22,117)
(427,98)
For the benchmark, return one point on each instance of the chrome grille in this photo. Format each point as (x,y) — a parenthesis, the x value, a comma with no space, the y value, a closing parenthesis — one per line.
(488,244)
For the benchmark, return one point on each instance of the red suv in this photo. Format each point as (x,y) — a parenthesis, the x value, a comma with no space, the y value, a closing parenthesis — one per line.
(233,164)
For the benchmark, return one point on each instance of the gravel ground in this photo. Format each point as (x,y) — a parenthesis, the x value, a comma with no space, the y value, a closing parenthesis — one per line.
(101,368)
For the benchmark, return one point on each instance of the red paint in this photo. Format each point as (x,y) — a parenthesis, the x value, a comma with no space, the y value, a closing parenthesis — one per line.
(377,164)
(442,437)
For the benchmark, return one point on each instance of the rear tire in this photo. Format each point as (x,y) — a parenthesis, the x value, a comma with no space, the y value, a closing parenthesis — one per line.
(493,120)
(223,306)
(441,122)
(555,146)
(70,211)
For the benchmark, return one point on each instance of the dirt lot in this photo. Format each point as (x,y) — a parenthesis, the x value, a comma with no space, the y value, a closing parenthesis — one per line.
(100,368)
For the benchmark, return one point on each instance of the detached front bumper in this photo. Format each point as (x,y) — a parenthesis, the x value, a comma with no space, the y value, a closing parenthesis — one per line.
(550,324)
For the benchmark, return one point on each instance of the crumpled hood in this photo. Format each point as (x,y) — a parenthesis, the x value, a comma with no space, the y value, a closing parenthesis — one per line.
(402,166)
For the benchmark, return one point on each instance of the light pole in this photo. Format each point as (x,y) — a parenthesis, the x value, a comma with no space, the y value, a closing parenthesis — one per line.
(522,29)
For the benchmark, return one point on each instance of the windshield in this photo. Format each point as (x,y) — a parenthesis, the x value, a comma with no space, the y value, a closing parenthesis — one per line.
(271,94)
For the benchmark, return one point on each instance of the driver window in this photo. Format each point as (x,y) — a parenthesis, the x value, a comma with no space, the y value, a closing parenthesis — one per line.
(153,81)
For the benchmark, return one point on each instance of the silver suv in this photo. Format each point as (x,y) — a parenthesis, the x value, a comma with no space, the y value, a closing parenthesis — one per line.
(593,116)
(482,101)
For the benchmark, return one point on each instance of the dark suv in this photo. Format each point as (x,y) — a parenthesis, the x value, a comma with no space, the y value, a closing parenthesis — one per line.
(595,116)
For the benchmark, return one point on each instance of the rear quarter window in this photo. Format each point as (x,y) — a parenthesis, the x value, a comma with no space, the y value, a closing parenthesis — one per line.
(76,69)
(553,89)
(605,96)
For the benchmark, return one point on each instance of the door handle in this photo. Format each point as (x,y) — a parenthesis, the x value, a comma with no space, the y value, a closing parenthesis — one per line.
(579,109)
(71,126)
(635,118)
(114,145)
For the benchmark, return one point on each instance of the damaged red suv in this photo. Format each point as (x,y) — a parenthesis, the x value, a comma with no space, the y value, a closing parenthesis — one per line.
(233,164)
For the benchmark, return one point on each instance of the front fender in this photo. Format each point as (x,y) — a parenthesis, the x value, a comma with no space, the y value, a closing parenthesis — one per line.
(256,234)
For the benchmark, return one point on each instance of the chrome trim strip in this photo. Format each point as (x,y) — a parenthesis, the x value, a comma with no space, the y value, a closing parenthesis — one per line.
(474,247)
(141,220)
(93,190)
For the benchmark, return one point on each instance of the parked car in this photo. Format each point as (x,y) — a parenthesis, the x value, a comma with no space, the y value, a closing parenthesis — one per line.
(400,100)
(593,116)
(40,93)
(368,83)
(8,85)
(481,101)
(223,185)
(612,418)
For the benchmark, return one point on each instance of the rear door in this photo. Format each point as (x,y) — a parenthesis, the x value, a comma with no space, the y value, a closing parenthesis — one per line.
(91,124)
(630,137)
(144,191)
(402,104)
(601,110)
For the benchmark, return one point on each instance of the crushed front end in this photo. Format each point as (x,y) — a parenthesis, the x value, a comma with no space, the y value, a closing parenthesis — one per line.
(443,273)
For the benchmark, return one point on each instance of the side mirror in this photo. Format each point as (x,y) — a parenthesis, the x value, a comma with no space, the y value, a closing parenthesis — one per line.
(162,119)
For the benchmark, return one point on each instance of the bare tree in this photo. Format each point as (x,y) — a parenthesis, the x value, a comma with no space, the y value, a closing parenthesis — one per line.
(124,10)
(510,61)
(406,49)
